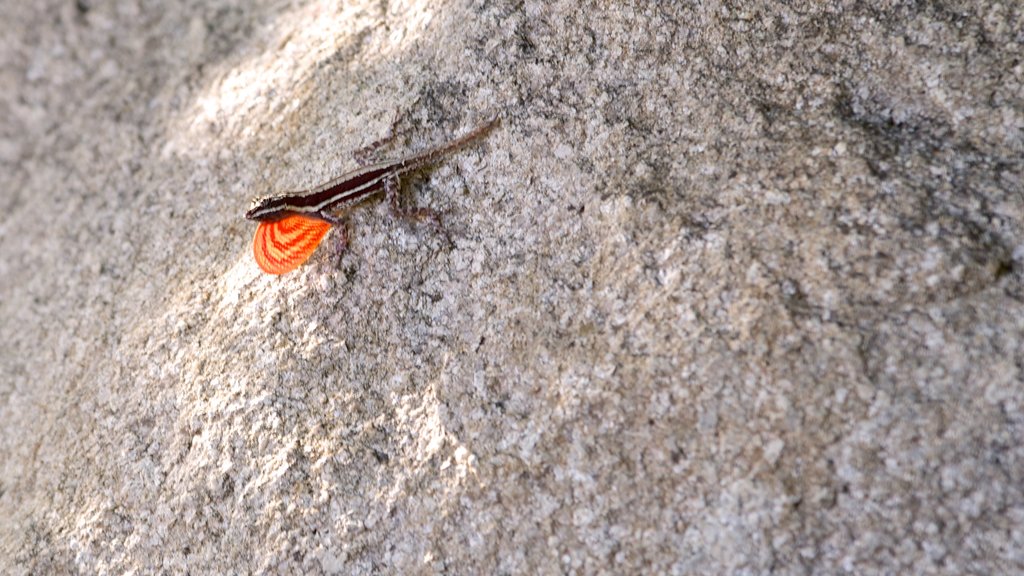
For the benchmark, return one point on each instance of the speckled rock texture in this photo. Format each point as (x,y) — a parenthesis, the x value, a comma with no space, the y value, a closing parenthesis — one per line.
(735,288)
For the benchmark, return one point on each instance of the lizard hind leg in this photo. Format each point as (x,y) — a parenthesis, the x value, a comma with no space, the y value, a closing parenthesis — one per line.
(367,154)
(411,215)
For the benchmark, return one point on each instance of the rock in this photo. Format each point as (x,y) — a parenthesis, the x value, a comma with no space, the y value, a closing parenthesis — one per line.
(734,288)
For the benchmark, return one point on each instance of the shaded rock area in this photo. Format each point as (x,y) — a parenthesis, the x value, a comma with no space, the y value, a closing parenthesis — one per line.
(734,288)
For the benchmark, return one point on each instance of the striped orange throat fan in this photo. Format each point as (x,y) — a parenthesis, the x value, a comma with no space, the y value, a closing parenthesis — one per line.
(292,225)
(283,245)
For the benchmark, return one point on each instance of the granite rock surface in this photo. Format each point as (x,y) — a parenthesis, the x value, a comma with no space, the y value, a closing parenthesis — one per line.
(735,288)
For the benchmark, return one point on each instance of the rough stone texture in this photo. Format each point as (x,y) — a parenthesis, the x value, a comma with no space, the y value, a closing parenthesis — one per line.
(735,288)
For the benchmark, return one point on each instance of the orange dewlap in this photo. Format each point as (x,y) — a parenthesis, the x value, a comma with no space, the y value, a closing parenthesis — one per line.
(283,245)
